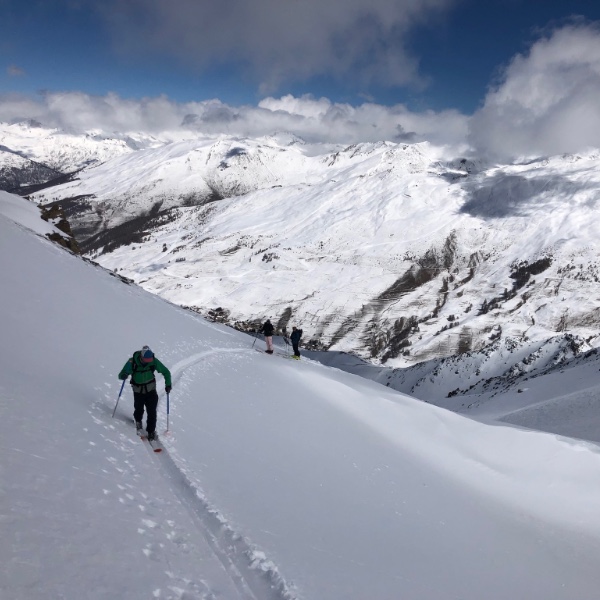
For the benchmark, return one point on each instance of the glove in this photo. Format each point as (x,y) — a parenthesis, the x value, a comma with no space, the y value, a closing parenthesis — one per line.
(123,378)
(168,389)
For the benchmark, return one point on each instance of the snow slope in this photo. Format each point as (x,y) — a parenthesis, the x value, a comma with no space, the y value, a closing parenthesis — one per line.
(25,213)
(279,480)
(550,389)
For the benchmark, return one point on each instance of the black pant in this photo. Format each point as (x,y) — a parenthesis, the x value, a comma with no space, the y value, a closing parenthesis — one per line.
(295,346)
(150,401)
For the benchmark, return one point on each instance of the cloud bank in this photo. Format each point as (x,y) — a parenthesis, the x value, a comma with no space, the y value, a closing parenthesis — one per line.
(547,101)
(315,120)
(278,41)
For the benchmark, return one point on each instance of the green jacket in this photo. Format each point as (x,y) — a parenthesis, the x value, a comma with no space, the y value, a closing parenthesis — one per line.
(141,372)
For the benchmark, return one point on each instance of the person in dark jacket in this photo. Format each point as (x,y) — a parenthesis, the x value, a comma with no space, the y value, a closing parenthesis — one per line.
(141,367)
(267,329)
(295,339)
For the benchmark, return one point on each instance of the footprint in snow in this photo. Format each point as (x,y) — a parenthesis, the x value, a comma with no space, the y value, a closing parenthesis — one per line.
(190,590)
(153,551)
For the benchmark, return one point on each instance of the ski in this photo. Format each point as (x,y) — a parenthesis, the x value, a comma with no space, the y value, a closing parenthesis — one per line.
(154,444)
(276,354)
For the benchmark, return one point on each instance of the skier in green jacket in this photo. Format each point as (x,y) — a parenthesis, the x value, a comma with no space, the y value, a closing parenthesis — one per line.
(141,367)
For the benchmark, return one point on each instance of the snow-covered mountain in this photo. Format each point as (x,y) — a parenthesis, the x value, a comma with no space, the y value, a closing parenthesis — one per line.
(68,151)
(280,480)
(18,172)
(381,249)
(459,382)
(395,252)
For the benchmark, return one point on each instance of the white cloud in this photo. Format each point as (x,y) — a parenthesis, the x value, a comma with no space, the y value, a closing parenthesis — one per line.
(316,120)
(547,101)
(279,41)
(306,106)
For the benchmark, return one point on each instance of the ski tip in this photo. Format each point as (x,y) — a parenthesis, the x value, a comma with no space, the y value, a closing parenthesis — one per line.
(157,449)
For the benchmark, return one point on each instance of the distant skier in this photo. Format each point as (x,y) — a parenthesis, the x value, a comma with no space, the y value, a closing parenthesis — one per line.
(141,367)
(267,329)
(295,339)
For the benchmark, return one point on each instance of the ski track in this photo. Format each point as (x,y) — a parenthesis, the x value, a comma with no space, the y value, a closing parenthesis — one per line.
(232,550)
(252,574)
(194,359)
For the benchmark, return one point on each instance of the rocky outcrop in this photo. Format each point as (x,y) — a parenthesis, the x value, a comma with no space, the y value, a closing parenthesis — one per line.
(55,215)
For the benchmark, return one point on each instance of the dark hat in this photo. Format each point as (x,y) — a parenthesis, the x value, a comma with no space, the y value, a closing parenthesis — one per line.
(146,354)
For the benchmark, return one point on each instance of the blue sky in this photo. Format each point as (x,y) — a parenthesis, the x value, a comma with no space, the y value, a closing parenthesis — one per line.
(450,50)
(509,79)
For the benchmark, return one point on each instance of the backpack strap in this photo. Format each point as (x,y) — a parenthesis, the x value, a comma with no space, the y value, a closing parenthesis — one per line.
(141,388)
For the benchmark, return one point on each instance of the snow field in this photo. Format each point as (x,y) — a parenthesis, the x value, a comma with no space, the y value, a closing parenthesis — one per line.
(278,477)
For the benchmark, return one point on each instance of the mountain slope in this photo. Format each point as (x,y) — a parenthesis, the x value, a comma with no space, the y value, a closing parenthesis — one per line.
(306,481)
(388,251)
(18,172)
(378,249)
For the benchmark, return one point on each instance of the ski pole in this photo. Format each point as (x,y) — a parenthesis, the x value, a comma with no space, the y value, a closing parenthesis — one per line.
(167,412)
(117,404)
